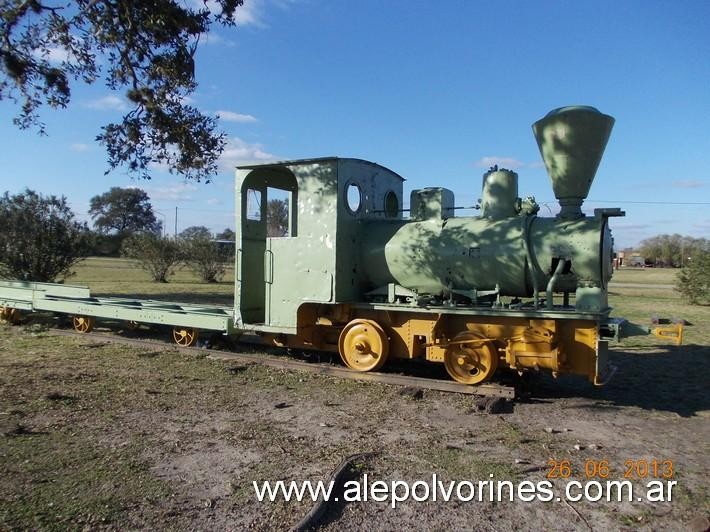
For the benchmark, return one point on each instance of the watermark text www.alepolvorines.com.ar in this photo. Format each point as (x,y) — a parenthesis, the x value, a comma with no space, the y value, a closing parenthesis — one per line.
(436,490)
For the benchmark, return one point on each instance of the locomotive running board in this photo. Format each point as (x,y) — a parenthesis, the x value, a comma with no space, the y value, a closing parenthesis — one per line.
(489,390)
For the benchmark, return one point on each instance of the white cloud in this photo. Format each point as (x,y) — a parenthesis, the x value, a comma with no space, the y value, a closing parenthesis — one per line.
(239,152)
(247,14)
(212,37)
(502,162)
(214,201)
(79,147)
(230,116)
(174,192)
(57,55)
(108,103)
(688,183)
(510,163)
(283,4)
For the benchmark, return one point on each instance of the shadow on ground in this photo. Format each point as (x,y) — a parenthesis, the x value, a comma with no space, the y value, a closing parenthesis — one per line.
(666,378)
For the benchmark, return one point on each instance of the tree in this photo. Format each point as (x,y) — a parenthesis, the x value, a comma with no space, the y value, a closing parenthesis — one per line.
(205,257)
(671,250)
(40,239)
(693,281)
(196,231)
(277,218)
(146,49)
(158,255)
(227,234)
(123,211)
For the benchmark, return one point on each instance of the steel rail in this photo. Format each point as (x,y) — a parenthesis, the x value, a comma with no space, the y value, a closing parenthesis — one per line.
(488,389)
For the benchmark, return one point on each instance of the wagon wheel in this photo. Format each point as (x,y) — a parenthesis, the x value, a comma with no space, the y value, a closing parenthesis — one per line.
(363,345)
(10,315)
(83,324)
(470,358)
(184,337)
(131,325)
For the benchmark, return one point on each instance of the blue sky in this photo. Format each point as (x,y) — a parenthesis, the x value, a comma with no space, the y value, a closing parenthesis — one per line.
(436,91)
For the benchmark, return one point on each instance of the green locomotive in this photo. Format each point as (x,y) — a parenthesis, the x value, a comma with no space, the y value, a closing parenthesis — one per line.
(505,289)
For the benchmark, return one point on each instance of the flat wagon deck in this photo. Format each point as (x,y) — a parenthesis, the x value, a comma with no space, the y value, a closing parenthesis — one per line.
(78,302)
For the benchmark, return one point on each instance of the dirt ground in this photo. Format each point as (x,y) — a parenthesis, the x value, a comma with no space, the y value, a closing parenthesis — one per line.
(104,436)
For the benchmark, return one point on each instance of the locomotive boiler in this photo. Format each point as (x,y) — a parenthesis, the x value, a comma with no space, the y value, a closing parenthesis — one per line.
(508,250)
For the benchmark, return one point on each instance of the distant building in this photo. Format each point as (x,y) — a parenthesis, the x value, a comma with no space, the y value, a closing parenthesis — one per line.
(636,260)
(628,258)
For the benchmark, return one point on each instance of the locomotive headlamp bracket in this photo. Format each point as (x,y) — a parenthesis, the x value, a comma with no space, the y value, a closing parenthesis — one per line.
(608,213)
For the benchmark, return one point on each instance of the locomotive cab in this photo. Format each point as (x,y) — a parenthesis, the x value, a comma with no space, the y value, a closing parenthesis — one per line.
(316,258)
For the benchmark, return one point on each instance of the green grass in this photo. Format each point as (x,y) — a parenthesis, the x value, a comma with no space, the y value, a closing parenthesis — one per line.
(124,277)
(648,300)
(645,275)
(64,463)
(460,464)
(48,467)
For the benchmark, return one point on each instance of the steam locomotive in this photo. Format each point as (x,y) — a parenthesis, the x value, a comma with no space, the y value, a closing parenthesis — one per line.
(352,275)
(507,288)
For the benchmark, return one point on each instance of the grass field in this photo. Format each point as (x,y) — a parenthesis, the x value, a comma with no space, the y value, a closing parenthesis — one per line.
(653,297)
(103,436)
(111,276)
(645,275)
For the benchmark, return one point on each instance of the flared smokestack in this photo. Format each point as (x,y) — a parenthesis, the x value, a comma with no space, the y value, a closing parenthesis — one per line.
(572,142)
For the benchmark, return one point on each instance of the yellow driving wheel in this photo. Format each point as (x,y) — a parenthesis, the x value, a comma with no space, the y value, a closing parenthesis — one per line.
(83,324)
(184,337)
(470,358)
(10,315)
(363,345)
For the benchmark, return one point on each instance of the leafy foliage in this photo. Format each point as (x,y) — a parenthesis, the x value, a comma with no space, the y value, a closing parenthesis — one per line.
(276,218)
(40,239)
(205,257)
(195,231)
(123,211)
(159,256)
(227,234)
(672,250)
(693,281)
(146,49)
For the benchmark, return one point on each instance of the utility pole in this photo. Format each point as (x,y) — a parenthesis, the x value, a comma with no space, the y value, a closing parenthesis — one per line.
(175,221)
(682,253)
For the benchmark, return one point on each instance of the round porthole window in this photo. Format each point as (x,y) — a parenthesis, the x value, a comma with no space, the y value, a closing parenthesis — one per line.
(391,205)
(353,197)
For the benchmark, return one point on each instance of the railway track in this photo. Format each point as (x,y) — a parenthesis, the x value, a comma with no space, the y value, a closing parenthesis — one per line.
(280,362)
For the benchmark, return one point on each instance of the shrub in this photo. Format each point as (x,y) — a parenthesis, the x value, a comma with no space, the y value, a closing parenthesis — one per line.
(205,257)
(159,256)
(40,240)
(693,281)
